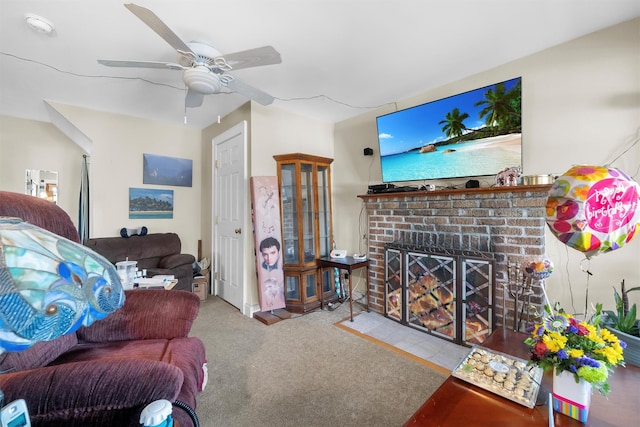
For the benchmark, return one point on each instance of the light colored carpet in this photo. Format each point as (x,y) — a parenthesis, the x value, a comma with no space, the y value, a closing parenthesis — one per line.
(303,371)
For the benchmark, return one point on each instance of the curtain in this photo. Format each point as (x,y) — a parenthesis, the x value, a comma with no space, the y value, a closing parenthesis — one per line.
(83,211)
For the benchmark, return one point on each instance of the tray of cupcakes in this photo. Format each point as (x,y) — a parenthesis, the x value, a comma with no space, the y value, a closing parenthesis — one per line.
(502,374)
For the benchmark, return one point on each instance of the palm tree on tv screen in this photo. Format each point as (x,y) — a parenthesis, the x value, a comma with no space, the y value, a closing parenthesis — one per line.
(453,125)
(501,107)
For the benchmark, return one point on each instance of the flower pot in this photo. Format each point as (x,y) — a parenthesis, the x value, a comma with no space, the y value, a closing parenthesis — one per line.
(632,352)
(571,398)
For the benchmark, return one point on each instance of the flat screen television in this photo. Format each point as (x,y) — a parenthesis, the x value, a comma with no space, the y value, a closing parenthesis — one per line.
(472,134)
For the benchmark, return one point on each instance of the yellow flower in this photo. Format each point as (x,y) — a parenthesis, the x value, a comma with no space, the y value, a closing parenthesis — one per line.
(575,352)
(593,333)
(608,336)
(610,354)
(536,330)
(554,341)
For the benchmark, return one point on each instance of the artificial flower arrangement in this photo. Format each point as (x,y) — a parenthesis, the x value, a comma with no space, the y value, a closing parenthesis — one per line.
(583,348)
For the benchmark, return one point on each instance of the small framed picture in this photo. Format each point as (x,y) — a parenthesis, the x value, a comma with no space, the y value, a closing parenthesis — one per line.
(148,203)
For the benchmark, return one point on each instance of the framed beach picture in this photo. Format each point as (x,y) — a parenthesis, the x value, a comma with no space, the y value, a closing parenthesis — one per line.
(162,170)
(147,203)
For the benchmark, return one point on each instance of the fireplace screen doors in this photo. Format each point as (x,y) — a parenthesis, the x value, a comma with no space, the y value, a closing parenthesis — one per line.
(446,293)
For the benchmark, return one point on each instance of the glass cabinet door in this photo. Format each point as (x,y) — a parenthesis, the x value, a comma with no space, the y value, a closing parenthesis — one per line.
(293,288)
(306,187)
(311,283)
(290,214)
(324,212)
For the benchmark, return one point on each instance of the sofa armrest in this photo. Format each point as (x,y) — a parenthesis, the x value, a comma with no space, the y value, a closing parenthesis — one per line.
(146,314)
(108,389)
(176,260)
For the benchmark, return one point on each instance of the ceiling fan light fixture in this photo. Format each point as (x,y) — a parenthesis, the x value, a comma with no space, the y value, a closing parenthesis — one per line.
(39,24)
(200,79)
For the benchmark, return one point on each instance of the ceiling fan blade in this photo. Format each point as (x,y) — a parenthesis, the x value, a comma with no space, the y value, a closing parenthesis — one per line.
(156,24)
(250,92)
(140,64)
(193,99)
(265,55)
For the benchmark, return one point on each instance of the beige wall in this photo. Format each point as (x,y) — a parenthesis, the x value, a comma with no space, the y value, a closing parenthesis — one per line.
(115,165)
(271,131)
(581,105)
(28,144)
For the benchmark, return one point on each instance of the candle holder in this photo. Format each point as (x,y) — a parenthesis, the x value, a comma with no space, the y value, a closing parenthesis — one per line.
(519,287)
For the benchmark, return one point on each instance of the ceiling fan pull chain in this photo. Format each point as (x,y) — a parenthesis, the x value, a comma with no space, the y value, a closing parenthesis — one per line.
(185,107)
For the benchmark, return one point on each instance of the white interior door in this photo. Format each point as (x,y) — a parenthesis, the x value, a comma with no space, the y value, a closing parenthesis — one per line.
(229,186)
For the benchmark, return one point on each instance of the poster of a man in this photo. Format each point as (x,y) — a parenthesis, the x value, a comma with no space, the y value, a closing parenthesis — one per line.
(270,250)
(266,227)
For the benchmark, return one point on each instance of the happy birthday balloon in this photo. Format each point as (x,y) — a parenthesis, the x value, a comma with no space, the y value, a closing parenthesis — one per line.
(594,209)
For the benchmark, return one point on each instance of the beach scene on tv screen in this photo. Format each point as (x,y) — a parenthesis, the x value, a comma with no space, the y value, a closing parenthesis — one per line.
(476,133)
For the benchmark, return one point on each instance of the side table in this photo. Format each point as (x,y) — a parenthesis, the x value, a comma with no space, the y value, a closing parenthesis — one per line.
(348,264)
(458,403)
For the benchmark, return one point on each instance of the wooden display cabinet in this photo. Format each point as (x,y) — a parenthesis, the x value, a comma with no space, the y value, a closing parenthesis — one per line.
(305,197)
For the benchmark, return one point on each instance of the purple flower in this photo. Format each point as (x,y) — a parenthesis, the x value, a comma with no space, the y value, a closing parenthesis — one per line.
(623,344)
(587,361)
(573,368)
(572,329)
(529,329)
(562,354)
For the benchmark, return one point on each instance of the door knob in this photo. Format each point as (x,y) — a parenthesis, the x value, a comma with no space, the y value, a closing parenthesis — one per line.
(238,230)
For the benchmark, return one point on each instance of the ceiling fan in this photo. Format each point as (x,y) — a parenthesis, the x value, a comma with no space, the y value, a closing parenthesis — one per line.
(204,68)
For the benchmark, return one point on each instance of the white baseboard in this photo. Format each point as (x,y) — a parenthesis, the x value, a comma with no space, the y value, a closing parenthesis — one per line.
(249,309)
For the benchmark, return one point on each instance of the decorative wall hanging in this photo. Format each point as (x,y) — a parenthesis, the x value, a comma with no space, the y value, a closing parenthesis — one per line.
(268,240)
(161,170)
(147,203)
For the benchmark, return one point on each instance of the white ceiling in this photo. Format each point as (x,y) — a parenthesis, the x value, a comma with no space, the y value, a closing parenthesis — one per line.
(339,57)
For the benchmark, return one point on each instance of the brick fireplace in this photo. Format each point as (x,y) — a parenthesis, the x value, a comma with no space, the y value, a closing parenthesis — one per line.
(506,222)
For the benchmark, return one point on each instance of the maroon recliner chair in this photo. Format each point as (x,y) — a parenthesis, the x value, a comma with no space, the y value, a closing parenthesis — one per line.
(105,374)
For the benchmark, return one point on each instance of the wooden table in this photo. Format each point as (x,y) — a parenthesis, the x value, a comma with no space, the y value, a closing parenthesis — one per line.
(349,264)
(458,403)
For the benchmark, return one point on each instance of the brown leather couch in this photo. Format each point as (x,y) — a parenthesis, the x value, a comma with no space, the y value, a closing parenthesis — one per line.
(105,374)
(158,253)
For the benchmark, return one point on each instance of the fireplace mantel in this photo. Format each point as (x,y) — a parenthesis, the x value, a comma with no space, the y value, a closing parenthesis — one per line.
(443,192)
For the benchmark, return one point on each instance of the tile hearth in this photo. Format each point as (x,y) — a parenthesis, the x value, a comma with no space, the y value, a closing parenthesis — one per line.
(434,350)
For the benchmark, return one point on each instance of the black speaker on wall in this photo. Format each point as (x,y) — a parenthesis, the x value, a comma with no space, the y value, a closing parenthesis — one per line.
(472,183)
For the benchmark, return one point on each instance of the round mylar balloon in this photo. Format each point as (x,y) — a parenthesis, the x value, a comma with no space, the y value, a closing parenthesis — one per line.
(594,209)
